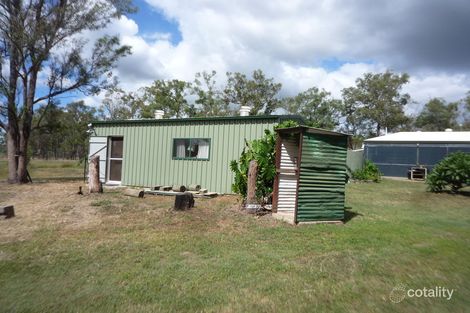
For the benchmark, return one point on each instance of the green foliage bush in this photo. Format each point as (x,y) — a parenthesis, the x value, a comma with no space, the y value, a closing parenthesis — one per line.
(370,172)
(453,171)
(263,151)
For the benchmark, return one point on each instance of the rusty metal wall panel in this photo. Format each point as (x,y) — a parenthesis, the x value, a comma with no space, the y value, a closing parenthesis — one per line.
(322,178)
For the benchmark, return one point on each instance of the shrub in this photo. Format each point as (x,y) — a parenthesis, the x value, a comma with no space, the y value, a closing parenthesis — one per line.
(453,171)
(263,151)
(370,172)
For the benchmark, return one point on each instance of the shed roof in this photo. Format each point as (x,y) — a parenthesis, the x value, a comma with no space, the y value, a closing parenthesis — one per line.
(448,136)
(247,119)
(306,129)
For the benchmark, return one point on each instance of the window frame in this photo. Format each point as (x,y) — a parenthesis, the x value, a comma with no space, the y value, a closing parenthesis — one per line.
(173,150)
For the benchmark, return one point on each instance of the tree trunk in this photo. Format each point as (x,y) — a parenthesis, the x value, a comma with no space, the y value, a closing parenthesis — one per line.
(12,132)
(94,175)
(251,184)
(11,153)
(378,130)
(23,160)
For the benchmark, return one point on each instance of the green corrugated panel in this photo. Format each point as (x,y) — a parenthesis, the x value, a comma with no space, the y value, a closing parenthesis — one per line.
(148,147)
(322,178)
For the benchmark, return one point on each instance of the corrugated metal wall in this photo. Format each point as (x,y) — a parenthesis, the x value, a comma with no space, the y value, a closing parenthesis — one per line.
(354,160)
(395,159)
(148,151)
(322,178)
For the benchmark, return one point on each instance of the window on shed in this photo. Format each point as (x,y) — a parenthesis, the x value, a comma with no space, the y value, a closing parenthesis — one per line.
(191,148)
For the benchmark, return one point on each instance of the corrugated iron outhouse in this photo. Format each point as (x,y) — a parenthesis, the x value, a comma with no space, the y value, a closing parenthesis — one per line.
(311,175)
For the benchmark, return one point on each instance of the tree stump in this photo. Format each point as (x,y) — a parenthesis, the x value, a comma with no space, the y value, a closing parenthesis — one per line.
(184,201)
(94,185)
(8,211)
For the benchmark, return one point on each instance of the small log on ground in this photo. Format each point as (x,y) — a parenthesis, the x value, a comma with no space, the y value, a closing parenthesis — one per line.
(134,193)
(178,188)
(94,185)
(194,187)
(184,201)
(8,211)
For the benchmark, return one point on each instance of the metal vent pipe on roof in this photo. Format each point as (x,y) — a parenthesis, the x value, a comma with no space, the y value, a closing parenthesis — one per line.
(159,114)
(245,110)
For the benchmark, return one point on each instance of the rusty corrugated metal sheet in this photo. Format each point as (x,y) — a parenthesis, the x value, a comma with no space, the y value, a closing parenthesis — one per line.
(322,178)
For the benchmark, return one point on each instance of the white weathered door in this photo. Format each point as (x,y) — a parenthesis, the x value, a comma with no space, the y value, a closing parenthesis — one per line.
(98,146)
(288,176)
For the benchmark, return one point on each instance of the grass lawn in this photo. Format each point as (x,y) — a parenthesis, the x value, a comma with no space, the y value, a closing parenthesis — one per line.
(48,170)
(110,253)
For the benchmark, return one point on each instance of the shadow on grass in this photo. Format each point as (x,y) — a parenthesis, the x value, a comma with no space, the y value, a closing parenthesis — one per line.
(465,193)
(349,214)
(56,179)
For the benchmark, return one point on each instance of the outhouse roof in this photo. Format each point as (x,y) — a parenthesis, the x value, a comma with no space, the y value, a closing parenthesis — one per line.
(306,129)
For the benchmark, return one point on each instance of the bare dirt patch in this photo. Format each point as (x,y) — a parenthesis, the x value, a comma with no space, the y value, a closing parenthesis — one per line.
(44,204)
(56,205)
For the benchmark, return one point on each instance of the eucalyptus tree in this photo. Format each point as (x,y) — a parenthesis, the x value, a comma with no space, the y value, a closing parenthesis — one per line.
(42,49)
(375,103)
(317,107)
(258,92)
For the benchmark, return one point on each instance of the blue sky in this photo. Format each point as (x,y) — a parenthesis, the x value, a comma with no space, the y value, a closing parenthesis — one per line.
(152,20)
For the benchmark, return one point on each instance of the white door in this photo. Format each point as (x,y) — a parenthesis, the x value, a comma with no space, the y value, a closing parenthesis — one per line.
(98,146)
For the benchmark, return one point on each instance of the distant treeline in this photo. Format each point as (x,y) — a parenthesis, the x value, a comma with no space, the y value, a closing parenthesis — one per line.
(61,132)
(376,103)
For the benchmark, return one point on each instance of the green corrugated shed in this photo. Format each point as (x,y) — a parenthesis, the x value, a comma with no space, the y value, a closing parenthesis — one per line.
(319,181)
(148,144)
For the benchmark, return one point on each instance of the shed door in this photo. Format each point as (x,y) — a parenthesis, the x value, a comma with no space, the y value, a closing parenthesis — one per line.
(288,175)
(98,146)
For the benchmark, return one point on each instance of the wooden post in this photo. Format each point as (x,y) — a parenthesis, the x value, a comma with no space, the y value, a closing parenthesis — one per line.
(251,184)
(94,175)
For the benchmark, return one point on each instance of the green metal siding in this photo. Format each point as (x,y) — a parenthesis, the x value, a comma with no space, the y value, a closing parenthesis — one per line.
(322,178)
(147,159)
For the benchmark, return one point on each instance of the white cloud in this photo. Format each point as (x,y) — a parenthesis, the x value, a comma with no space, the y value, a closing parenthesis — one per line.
(288,40)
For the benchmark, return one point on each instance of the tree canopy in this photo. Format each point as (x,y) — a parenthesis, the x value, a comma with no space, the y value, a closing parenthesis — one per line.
(259,93)
(316,106)
(376,102)
(43,37)
(437,115)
